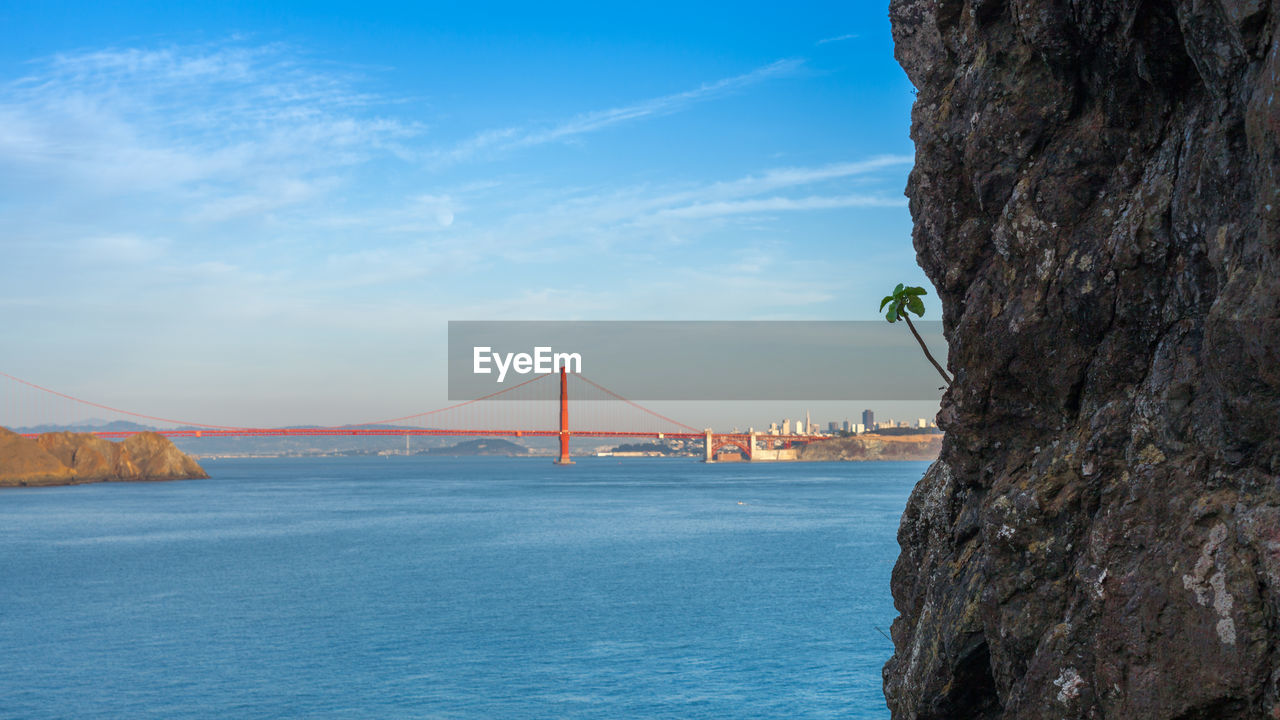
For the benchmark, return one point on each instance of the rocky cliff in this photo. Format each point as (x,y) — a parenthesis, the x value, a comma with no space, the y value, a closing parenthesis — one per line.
(1095,198)
(874,447)
(69,458)
(24,462)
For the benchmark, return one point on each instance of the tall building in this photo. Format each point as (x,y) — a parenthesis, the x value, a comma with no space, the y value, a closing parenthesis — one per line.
(833,427)
(808,423)
(786,426)
(869,419)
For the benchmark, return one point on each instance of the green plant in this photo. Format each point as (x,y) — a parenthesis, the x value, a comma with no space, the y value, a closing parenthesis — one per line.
(903,302)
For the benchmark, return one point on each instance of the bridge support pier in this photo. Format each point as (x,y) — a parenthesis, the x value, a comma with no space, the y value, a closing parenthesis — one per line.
(564,419)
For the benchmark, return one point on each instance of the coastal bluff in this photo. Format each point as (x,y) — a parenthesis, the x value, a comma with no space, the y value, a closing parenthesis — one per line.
(65,458)
(1096,199)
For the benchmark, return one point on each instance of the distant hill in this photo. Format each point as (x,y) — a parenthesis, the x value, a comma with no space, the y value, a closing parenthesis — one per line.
(661,448)
(875,447)
(905,431)
(94,425)
(481,446)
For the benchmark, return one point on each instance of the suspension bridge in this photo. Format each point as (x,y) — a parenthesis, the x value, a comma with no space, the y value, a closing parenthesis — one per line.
(536,408)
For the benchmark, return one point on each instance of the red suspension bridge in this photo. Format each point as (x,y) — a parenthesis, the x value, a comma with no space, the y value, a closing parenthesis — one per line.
(530,409)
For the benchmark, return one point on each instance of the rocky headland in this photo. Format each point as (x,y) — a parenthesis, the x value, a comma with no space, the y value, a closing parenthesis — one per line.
(65,458)
(1095,198)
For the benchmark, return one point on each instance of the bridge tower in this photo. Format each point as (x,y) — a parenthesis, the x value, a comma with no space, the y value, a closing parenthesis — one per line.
(564,419)
(710,453)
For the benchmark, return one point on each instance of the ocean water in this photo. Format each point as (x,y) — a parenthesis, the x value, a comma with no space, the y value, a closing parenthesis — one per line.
(453,588)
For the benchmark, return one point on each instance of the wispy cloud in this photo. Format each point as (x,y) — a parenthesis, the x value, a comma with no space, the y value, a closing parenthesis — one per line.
(776,204)
(195,119)
(482,227)
(593,121)
(672,208)
(517,137)
(119,249)
(837,38)
(569,223)
(786,177)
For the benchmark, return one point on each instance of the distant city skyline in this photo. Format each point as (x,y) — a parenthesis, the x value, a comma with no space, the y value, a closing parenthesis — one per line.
(267,217)
(788,425)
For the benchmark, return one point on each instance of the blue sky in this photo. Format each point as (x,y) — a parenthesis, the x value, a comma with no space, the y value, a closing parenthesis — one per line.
(258,214)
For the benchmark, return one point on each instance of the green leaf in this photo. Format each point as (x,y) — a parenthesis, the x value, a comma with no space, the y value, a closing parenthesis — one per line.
(887,299)
(917,290)
(898,290)
(916,305)
(892,315)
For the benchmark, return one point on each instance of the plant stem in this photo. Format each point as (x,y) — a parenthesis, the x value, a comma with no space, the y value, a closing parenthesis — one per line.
(927,354)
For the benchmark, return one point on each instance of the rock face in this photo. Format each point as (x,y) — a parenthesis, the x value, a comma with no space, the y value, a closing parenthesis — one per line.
(66,458)
(874,447)
(92,458)
(1095,198)
(148,456)
(23,461)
